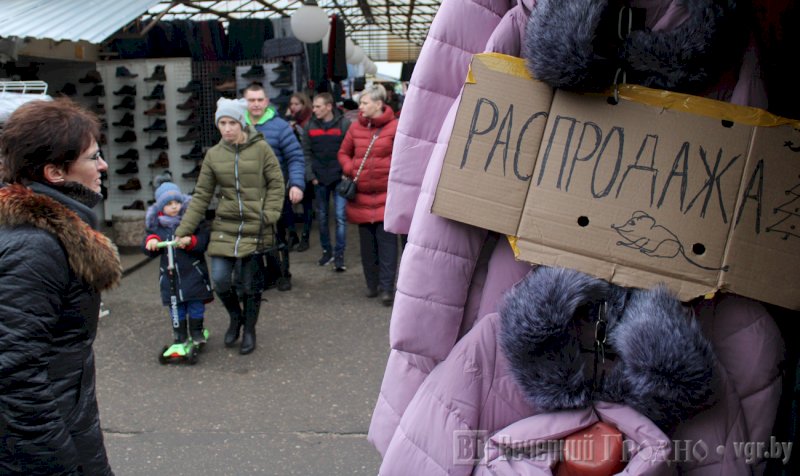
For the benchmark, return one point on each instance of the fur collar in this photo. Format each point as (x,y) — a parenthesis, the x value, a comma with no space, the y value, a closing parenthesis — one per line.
(664,367)
(560,45)
(92,256)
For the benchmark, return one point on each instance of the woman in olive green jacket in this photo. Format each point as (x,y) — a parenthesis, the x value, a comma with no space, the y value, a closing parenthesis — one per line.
(251,191)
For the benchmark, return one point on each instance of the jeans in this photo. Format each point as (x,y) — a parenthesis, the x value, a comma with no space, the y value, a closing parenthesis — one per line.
(223,268)
(324,193)
(378,256)
(195,310)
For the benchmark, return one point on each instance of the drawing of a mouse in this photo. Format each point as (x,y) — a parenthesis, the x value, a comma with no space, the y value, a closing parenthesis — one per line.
(641,232)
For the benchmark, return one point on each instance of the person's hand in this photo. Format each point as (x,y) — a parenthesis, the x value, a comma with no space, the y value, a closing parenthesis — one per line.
(315,181)
(151,244)
(184,241)
(295,195)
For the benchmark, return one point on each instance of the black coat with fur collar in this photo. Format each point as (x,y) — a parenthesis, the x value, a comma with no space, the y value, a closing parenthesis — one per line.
(53,265)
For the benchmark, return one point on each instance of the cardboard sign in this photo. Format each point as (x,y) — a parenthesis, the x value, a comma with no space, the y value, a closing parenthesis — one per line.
(658,188)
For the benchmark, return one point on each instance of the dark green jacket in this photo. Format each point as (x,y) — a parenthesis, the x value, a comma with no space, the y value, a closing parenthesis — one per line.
(250,180)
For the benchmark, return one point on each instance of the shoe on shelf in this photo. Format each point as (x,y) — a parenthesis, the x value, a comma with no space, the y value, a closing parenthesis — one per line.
(284,67)
(187,105)
(129,168)
(158,74)
(157,94)
(195,153)
(387,298)
(161,162)
(128,102)
(160,109)
(123,72)
(255,71)
(160,143)
(126,90)
(69,89)
(135,205)
(126,121)
(159,125)
(227,85)
(131,154)
(131,184)
(191,86)
(192,135)
(191,120)
(127,136)
(371,292)
(97,90)
(283,80)
(91,77)
(326,259)
(192,174)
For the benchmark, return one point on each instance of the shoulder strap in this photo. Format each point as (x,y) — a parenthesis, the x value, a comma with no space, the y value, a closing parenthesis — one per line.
(366,154)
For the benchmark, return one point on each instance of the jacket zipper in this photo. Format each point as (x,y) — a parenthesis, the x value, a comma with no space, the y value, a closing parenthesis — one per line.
(239,200)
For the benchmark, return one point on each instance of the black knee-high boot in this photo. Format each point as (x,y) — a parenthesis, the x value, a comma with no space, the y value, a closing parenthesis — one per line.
(252,304)
(231,302)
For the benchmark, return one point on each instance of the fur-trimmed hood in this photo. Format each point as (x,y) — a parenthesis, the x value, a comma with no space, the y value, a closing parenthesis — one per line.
(91,254)
(573,44)
(662,366)
(151,216)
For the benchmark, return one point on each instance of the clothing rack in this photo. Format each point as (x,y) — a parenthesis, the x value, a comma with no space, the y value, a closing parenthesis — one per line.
(23,87)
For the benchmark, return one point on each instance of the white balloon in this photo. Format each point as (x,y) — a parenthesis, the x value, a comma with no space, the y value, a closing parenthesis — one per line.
(309,23)
(373,68)
(349,47)
(357,56)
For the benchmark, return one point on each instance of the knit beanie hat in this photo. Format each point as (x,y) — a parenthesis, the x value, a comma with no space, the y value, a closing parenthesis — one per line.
(167,192)
(233,108)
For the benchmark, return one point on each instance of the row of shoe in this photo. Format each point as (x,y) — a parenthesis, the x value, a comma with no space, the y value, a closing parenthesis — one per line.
(161,142)
(284,71)
(159,74)
(162,162)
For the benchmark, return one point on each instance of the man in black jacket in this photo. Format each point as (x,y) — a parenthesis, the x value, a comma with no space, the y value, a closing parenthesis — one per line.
(321,140)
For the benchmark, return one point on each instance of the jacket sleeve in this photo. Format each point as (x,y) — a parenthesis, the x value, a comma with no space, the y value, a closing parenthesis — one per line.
(460,29)
(203,192)
(273,203)
(305,142)
(346,152)
(293,154)
(202,236)
(34,278)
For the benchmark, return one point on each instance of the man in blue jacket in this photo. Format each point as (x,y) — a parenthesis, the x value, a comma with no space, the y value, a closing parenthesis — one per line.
(284,143)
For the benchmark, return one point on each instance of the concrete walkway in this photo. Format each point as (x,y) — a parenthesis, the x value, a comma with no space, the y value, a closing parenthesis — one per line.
(299,405)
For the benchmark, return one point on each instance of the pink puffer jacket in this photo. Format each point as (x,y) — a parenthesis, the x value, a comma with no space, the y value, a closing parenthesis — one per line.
(451,274)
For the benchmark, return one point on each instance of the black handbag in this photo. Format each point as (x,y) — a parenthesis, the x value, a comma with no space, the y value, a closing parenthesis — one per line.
(347,188)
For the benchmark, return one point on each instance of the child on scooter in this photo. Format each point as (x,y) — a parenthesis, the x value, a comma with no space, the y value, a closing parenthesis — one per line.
(193,286)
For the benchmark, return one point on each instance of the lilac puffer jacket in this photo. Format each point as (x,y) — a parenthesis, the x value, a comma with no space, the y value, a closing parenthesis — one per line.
(471,268)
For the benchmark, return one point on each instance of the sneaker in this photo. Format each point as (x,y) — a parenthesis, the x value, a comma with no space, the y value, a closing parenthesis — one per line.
(371,292)
(338,264)
(326,259)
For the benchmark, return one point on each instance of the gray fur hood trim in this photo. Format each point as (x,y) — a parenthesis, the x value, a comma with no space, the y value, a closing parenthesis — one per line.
(664,366)
(559,46)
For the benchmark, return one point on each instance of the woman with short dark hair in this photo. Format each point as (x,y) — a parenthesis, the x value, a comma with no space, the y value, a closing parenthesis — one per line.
(53,266)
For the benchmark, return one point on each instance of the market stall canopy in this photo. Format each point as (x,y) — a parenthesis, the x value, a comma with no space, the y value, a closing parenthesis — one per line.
(70,20)
(386,30)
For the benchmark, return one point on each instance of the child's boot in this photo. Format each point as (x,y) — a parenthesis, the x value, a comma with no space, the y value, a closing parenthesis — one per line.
(196,330)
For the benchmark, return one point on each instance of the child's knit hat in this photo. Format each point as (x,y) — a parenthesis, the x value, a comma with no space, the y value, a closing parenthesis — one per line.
(167,192)
(233,108)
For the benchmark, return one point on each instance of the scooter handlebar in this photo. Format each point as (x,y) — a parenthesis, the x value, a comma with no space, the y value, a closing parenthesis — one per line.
(164,244)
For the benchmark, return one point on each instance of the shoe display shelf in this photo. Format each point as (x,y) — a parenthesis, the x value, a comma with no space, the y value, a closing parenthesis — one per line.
(144,139)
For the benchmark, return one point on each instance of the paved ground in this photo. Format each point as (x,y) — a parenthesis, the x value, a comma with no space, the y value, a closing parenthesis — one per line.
(299,405)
